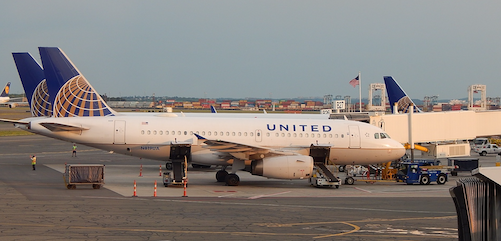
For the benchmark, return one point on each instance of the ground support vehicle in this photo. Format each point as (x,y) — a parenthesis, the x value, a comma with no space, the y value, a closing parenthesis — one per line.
(488,149)
(83,174)
(422,173)
(323,177)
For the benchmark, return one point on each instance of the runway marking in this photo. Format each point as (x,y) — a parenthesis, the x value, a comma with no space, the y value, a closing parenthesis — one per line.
(363,190)
(275,205)
(268,195)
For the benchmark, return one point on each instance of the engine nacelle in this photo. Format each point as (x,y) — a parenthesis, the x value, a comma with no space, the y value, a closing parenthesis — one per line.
(12,105)
(284,167)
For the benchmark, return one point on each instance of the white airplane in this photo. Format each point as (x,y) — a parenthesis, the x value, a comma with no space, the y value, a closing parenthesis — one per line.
(6,100)
(270,147)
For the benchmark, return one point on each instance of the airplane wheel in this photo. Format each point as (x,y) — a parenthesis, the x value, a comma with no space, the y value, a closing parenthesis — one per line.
(342,168)
(221,175)
(441,179)
(232,180)
(425,180)
(349,181)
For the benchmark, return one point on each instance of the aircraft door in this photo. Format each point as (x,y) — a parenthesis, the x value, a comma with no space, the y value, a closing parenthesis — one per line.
(259,136)
(119,135)
(354,136)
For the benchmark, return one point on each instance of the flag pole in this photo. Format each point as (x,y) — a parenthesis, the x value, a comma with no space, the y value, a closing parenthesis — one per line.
(359,92)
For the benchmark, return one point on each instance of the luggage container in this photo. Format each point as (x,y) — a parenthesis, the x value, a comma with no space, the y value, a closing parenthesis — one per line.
(83,174)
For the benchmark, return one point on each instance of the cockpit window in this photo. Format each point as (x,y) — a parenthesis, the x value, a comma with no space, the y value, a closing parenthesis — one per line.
(384,135)
(376,135)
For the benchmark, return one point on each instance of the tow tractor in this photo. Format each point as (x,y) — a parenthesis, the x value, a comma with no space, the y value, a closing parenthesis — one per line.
(423,172)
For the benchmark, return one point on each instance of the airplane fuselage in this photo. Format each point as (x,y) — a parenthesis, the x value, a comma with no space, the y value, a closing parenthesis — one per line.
(151,136)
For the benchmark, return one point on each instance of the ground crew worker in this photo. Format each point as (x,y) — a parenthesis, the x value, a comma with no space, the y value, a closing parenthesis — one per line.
(74,150)
(33,161)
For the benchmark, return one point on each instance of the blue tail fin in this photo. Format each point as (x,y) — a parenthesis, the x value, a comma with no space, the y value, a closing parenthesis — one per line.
(5,92)
(213,109)
(397,95)
(69,92)
(34,84)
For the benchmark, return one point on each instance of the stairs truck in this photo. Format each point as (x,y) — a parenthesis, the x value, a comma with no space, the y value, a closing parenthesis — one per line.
(422,172)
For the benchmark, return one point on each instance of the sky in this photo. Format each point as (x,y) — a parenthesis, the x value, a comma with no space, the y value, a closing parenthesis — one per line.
(262,48)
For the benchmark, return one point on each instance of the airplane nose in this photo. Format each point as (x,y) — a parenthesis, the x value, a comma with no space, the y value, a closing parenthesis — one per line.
(398,150)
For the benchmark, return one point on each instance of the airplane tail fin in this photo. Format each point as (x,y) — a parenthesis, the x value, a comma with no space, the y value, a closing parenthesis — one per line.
(397,95)
(5,92)
(213,109)
(34,84)
(69,92)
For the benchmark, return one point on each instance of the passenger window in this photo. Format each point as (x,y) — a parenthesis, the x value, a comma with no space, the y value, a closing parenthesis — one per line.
(295,135)
(342,135)
(215,133)
(161,132)
(245,133)
(288,134)
(149,132)
(221,133)
(142,132)
(300,134)
(209,133)
(251,134)
(305,134)
(203,133)
(154,132)
(268,134)
(233,133)
(178,133)
(276,134)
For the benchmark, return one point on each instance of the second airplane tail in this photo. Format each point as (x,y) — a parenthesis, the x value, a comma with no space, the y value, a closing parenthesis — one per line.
(5,92)
(397,95)
(34,84)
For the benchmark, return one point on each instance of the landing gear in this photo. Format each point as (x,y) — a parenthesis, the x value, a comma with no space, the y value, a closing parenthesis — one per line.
(232,180)
(221,175)
(349,181)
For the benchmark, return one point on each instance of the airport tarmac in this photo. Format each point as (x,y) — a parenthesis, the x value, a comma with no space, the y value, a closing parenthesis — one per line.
(37,206)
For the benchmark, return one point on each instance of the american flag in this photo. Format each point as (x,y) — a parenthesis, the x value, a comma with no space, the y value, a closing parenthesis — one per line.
(354,82)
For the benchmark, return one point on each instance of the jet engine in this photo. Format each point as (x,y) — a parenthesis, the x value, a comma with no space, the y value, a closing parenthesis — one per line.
(13,105)
(283,167)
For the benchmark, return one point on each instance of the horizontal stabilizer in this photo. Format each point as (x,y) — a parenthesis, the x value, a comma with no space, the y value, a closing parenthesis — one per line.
(62,127)
(15,122)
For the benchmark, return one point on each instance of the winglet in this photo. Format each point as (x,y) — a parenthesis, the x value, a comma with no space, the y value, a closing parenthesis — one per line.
(397,95)
(5,92)
(199,136)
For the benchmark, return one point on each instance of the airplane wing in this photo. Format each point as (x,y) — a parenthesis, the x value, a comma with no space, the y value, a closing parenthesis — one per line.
(242,151)
(62,127)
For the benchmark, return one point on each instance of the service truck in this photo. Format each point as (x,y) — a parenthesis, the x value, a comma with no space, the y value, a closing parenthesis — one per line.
(487,149)
(422,172)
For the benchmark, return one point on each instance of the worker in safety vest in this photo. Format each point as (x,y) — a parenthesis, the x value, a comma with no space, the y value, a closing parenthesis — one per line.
(33,161)
(74,154)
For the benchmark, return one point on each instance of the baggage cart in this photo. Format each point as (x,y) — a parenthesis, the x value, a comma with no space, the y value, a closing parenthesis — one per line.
(84,174)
